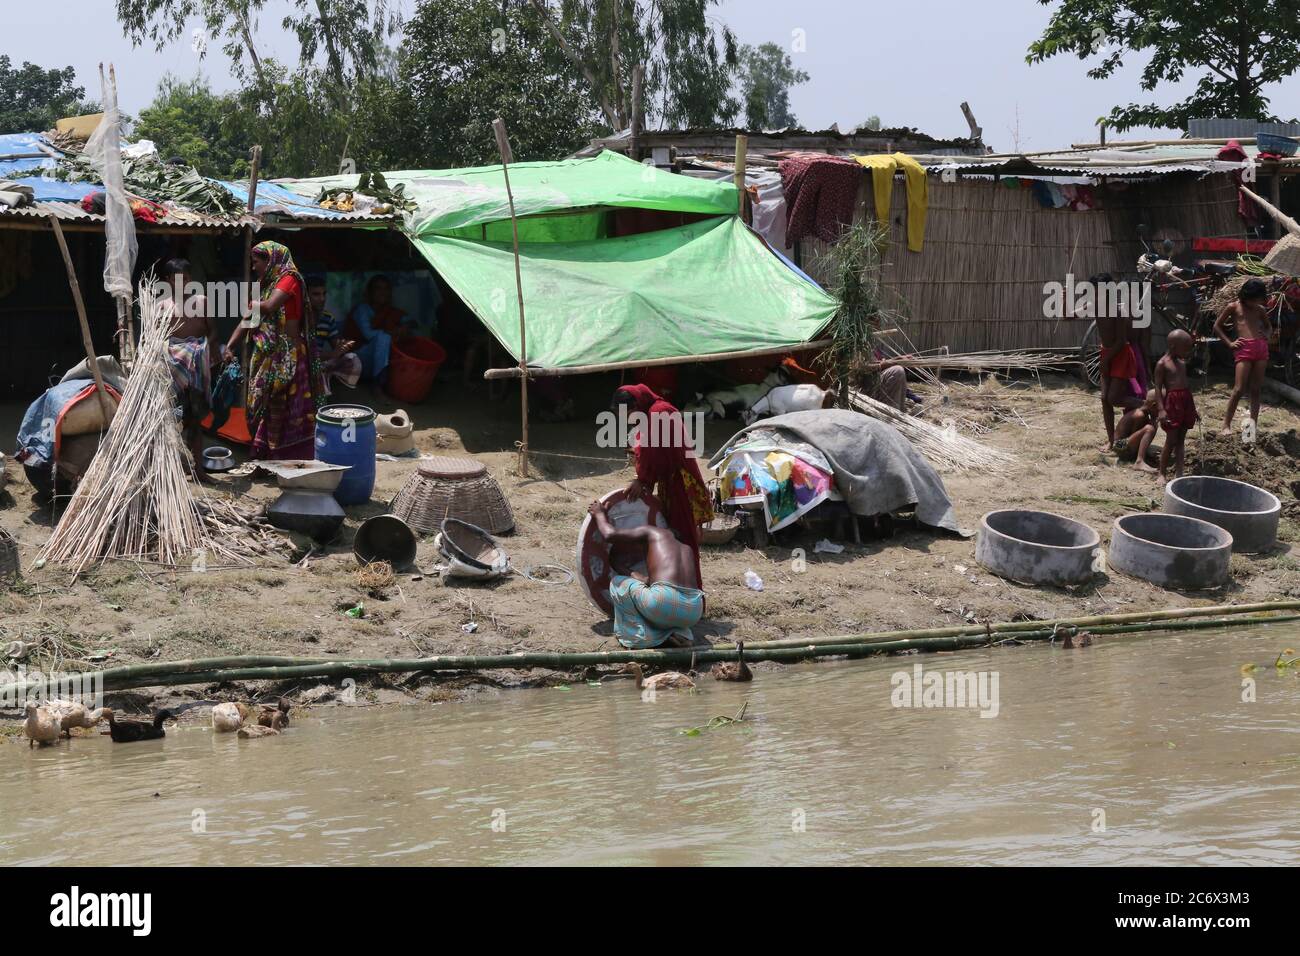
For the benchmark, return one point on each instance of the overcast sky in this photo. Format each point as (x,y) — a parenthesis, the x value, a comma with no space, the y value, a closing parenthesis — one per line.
(909,63)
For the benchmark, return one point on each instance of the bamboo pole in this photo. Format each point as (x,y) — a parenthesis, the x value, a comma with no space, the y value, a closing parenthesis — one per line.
(495,373)
(1012,627)
(738,176)
(503,147)
(269,667)
(255,155)
(105,403)
(1278,215)
(220,670)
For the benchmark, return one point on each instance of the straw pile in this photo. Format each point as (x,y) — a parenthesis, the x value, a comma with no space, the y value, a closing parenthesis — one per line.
(946,448)
(134,501)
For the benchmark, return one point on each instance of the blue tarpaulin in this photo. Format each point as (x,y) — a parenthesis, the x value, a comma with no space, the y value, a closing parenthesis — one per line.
(53,190)
(272,196)
(21,144)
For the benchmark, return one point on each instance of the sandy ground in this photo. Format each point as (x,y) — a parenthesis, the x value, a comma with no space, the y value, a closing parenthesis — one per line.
(125,612)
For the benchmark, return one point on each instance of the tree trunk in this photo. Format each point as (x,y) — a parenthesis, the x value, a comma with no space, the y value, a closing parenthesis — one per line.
(610,116)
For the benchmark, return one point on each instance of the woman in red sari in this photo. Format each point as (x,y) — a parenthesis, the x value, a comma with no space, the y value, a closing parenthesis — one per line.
(663,464)
(285,383)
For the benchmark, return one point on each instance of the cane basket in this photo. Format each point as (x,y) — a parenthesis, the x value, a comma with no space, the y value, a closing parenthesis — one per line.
(445,486)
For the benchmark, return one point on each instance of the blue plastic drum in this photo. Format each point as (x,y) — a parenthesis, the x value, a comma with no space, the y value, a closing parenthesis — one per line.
(345,435)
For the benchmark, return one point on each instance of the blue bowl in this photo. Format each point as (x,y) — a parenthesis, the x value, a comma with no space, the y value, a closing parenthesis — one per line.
(1272,143)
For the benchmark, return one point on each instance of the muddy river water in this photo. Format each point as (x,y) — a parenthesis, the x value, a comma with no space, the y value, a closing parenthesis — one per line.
(1134,750)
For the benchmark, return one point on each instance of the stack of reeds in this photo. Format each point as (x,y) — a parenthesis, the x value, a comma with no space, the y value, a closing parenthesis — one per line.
(134,500)
(945,448)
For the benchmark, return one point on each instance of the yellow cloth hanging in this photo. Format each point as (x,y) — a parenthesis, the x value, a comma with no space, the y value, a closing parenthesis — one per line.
(883,167)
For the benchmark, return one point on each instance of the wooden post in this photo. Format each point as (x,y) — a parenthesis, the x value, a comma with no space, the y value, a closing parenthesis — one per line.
(255,155)
(742,146)
(503,147)
(1275,193)
(976,131)
(105,404)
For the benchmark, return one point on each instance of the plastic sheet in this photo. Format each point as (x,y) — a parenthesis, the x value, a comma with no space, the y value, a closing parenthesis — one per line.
(104,152)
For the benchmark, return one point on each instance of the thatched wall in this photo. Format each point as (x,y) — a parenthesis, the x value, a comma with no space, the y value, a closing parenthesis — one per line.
(990,249)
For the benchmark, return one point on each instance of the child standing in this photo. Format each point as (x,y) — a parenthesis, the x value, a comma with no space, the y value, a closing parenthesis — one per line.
(1249,316)
(1177,408)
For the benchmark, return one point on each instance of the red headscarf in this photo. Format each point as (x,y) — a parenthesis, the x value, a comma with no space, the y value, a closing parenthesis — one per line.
(666,467)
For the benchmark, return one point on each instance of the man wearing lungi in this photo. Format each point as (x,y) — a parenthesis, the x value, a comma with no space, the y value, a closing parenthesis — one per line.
(190,353)
(662,605)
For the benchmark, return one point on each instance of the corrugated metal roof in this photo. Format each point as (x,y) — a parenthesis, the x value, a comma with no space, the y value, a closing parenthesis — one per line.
(1223,128)
(72,212)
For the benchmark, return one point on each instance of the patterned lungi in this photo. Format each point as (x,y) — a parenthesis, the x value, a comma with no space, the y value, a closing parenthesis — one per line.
(191,374)
(646,615)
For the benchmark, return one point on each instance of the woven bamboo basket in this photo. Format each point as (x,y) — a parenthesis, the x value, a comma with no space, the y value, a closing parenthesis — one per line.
(452,487)
(1284,257)
(10,571)
(721,530)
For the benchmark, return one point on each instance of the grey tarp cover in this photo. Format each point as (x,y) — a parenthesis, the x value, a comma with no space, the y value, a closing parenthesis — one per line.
(876,469)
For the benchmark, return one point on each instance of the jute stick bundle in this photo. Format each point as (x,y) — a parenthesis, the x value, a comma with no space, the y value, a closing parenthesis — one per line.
(134,500)
(946,448)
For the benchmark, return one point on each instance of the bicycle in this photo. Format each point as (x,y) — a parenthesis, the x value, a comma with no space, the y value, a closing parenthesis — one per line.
(1177,297)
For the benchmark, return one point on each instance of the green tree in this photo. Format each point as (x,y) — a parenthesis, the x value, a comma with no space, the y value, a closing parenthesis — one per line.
(869,125)
(462,65)
(350,33)
(1235,49)
(767,74)
(689,63)
(206,129)
(32,98)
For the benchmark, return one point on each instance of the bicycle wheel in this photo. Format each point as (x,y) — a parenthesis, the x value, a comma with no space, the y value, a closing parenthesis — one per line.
(1090,356)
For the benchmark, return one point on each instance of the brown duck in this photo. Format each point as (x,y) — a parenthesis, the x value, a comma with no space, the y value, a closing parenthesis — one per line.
(736,670)
(276,721)
(129,731)
(268,715)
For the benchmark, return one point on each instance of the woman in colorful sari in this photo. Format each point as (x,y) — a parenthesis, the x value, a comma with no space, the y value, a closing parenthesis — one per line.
(285,384)
(663,462)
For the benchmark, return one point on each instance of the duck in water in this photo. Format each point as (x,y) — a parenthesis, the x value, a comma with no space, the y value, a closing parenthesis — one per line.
(668,680)
(736,670)
(130,731)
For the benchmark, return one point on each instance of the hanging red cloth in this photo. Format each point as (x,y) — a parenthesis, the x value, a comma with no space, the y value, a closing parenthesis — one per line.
(1246,207)
(662,463)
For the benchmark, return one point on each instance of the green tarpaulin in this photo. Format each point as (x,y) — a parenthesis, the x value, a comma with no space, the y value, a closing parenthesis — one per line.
(452,199)
(708,287)
(700,289)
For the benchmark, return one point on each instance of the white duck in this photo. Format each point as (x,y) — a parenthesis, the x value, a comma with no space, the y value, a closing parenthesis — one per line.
(72,714)
(228,718)
(42,725)
(668,680)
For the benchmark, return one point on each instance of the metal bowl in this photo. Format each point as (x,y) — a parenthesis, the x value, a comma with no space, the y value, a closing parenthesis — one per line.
(385,538)
(218,458)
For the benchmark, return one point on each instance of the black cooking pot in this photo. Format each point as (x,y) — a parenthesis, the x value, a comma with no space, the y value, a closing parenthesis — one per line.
(313,513)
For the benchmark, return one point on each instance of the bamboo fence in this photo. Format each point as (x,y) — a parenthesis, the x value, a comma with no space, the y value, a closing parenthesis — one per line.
(990,249)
